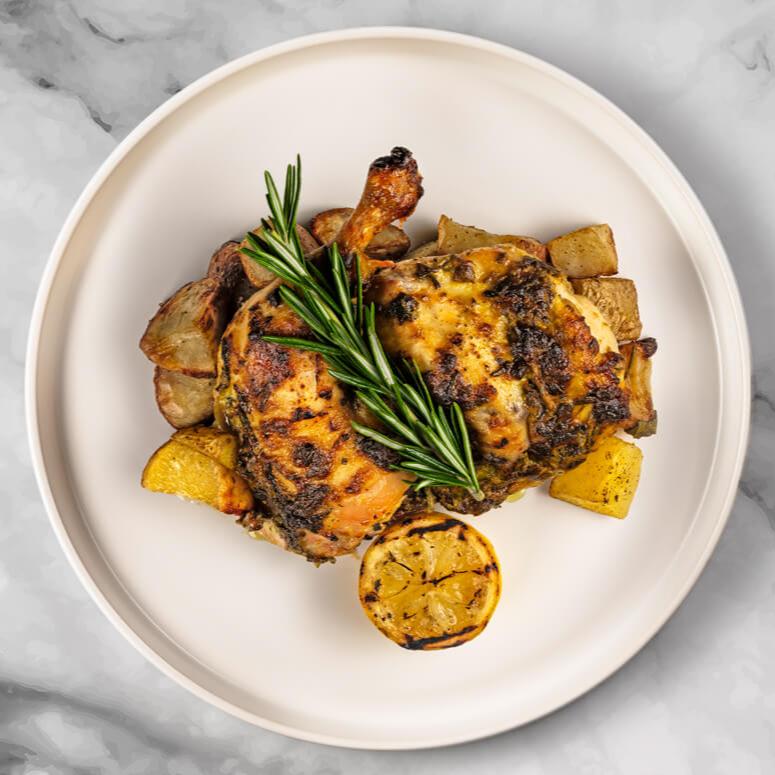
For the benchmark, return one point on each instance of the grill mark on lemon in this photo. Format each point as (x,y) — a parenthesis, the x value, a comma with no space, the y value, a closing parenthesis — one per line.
(430,582)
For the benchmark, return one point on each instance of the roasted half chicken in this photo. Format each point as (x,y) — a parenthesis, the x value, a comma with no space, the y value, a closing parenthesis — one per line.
(498,330)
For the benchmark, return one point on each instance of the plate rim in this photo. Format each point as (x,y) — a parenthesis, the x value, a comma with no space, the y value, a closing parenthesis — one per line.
(156,117)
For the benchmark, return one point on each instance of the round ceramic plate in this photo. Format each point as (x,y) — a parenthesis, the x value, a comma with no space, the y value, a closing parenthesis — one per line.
(504,141)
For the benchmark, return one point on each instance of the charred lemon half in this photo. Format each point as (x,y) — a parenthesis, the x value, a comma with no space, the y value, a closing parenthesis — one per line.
(430,582)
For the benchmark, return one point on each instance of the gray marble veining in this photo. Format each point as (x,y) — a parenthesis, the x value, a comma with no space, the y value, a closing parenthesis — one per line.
(76,76)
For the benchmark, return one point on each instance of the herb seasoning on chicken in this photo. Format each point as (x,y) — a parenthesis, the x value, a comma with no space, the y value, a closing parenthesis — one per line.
(534,367)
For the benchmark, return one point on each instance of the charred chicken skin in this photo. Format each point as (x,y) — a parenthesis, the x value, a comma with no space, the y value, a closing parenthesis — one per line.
(534,367)
(320,486)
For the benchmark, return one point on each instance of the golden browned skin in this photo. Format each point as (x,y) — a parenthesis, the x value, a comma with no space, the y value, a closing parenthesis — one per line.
(535,368)
(320,487)
(393,189)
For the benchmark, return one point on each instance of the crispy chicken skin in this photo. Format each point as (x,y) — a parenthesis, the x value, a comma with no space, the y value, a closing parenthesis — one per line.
(393,189)
(534,367)
(320,487)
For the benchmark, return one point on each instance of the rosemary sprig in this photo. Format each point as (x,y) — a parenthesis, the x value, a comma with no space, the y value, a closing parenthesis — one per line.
(431,440)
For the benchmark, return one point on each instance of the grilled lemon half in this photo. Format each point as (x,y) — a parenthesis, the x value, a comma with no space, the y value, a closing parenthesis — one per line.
(430,582)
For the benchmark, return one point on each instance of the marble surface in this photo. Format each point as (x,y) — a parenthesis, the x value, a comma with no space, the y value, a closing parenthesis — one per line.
(76,76)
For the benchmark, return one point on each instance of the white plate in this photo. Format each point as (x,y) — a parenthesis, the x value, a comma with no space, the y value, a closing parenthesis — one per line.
(504,141)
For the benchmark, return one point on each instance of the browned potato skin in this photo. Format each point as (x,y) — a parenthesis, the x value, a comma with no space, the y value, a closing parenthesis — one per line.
(423,251)
(455,237)
(184,334)
(328,223)
(226,266)
(183,401)
(244,290)
(257,276)
(587,252)
(391,243)
(308,243)
(617,299)
(643,416)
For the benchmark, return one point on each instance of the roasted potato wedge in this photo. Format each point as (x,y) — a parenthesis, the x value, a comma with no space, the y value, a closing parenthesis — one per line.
(183,400)
(326,225)
(214,443)
(617,299)
(226,266)
(257,276)
(423,251)
(390,244)
(454,237)
(179,469)
(308,243)
(430,582)
(605,482)
(184,334)
(638,379)
(587,252)
(244,290)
